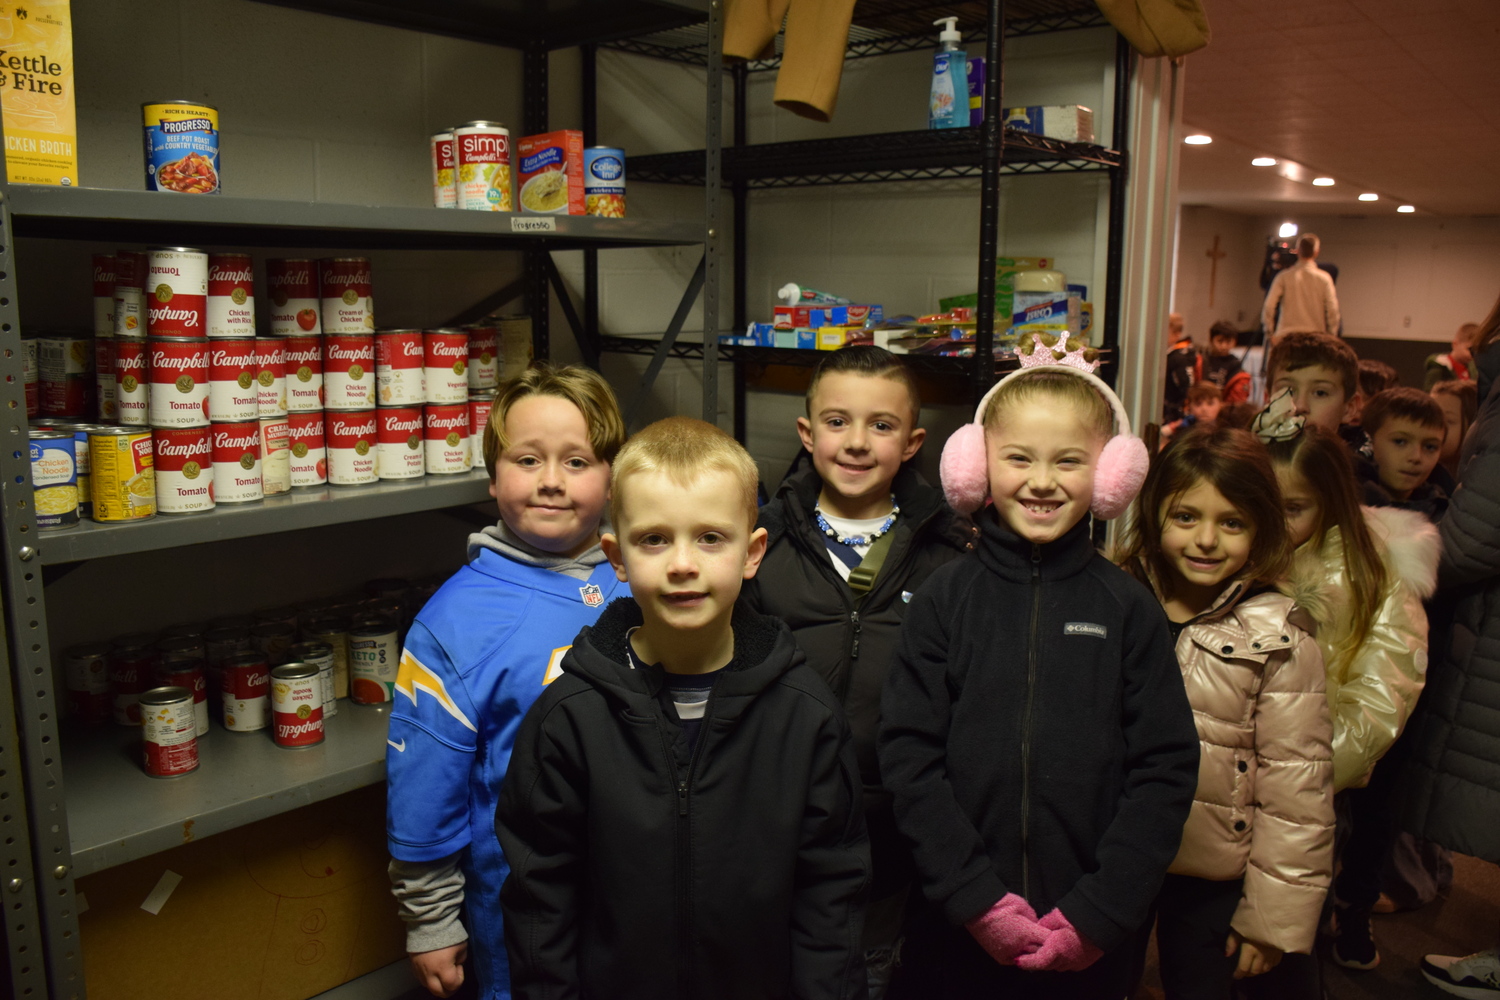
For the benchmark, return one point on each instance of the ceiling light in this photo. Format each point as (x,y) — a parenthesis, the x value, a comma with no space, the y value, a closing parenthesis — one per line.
(1197,140)
(1323,182)
(1263,161)
(1406,208)
(1287,230)
(1369,196)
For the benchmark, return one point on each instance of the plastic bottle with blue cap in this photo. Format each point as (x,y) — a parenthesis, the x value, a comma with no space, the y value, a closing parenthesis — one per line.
(949,103)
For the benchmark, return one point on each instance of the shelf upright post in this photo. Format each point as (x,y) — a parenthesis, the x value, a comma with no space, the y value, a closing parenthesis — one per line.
(712,196)
(992,143)
(1114,257)
(590,73)
(46,882)
(740,192)
(534,122)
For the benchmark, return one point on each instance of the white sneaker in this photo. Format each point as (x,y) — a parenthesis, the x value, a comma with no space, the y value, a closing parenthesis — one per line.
(1474,976)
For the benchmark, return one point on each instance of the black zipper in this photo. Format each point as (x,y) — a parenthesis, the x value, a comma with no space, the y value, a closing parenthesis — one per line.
(1036,610)
(684,847)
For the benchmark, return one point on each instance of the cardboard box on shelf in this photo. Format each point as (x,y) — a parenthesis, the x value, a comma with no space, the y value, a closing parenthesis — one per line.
(803,338)
(1068,122)
(792,317)
(1045,312)
(36,96)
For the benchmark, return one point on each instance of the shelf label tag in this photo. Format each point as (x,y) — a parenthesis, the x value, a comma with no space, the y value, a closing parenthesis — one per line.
(164,887)
(533,224)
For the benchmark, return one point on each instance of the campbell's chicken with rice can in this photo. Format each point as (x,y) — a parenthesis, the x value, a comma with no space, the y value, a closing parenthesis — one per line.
(399,356)
(270,374)
(445,365)
(233,392)
(296,705)
(292,284)
(231,295)
(169,741)
(304,372)
(347,303)
(446,438)
(348,371)
(352,447)
(236,455)
(179,381)
(399,432)
(309,453)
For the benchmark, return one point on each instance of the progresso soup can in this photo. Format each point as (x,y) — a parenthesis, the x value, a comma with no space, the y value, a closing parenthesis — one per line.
(182,147)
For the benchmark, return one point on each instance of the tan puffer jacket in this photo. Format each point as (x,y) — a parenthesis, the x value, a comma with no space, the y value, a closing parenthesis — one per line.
(1264,805)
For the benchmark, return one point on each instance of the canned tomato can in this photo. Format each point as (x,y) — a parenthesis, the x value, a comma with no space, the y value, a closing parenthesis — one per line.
(182,147)
(233,392)
(293,286)
(349,371)
(481,155)
(168,732)
(296,705)
(604,182)
(130,294)
(309,455)
(190,673)
(480,405)
(86,668)
(444,194)
(245,690)
(104,378)
(347,304)
(275,456)
(320,655)
(446,438)
(131,659)
(231,295)
(484,357)
(54,479)
(304,372)
(236,457)
(132,383)
(29,377)
(352,447)
(179,381)
(222,642)
(398,368)
(374,657)
(65,364)
(184,469)
(270,375)
(334,632)
(122,474)
(176,292)
(399,433)
(445,365)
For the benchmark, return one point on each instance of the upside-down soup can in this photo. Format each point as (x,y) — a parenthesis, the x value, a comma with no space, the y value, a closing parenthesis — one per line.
(604,182)
(130,294)
(484,356)
(398,368)
(399,432)
(231,295)
(445,365)
(179,381)
(245,684)
(233,392)
(292,284)
(304,372)
(347,303)
(481,155)
(236,455)
(352,447)
(270,374)
(168,732)
(184,470)
(122,474)
(309,453)
(86,668)
(182,147)
(296,705)
(275,456)
(446,438)
(374,658)
(176,292)
(444,194)
(132,383)
(188,672)
(349,371)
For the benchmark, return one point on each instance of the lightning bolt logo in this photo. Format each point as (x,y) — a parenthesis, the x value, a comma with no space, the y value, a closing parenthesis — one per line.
(554,665)
(414,676)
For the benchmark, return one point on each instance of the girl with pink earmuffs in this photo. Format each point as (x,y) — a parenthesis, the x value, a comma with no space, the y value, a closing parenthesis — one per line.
(1036,735)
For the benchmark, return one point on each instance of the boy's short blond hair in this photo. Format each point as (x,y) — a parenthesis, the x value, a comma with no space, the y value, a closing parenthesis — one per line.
(683,449)
(583,387)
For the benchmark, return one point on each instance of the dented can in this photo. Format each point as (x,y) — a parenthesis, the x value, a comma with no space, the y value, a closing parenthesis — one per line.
(296,705)
(169,739)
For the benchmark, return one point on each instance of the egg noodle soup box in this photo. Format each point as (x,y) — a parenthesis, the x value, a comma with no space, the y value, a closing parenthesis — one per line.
(36,93)
(550,173)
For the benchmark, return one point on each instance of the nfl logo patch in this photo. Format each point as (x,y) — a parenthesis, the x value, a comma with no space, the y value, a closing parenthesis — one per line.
(592,595)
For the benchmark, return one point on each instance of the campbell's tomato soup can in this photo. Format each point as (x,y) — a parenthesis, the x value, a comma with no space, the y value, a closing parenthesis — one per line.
(86,668)
(236,456)
(481,155)
(270,375)
(398,368)
(446,438)
(233,392)
(184,470)
(231,295)
(189,673)
(604,182)
(304,372)
(122,474)
(130,294)
(296,705)
(179,381)
(132,384)
(245,686)
(399,432)
(104,378)
(292,284)
(352,447)
(480,405)
(349,371)
(176,292)
(131,660)
(347,303)
(445,365)
(29,376)
(275,456)
(168,732)
(444,194)
(374,657)
(309,453)
(484,357)
(320,655)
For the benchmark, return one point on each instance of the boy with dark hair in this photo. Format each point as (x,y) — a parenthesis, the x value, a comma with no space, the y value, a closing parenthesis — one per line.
(1204,402)
(1322,373)
(1222,368)
(1376,376)
(1406,428)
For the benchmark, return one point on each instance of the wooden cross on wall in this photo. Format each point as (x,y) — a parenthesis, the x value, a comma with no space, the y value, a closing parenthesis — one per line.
(1214,255)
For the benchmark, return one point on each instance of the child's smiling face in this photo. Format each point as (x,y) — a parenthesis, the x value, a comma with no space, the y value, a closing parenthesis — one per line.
(1042,454)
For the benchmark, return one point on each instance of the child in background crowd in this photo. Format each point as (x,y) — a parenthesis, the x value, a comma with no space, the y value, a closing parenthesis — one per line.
(682,810)
(1406,428)
(1183,368)
(1221,367)
(1034,729)
(1204,402)
(481,651)
(1210,538)
(1322,373)
(1237,415)
(849,540)
(1459,400)
(1458,363)
(1376,376)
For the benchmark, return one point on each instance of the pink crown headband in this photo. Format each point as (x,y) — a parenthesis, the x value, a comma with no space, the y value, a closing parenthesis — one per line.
(1050,349)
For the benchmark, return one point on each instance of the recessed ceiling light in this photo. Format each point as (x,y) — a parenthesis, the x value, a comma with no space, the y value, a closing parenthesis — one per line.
(1197,140)
(1323,182)
(1406,208)
(1263,161)
(1287,230)
(1369,196)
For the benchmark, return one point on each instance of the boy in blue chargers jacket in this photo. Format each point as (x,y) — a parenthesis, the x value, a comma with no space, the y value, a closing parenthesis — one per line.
(481,651)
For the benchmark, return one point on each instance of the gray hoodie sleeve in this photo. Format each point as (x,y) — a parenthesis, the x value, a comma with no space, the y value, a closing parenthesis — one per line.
(429,895)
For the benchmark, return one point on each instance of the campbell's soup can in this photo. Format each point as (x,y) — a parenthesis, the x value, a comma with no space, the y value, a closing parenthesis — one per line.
(398,368)
(65,364)
(176,292)
(347,303)
(320,655)
(444,194)
(480,405)
(292,284)
(304,372)
(54,479)
(481,155)
(130,294)
(275,456)
(296,705)
(189,673)
(236,455)
(484,357)
(446,438)
(604,182)
(86,668)
(104,378)
(352,447)
(182,147)
(233,392)
(270,375)
(349,371)
(231,295)
(184,470)
(132,383)
(245,686)
(29,376)
(179,381)
(399,432)
(309,453)
(104,295)
(131,660)
(445,365)
(122,474)
(374,657)
(168,732)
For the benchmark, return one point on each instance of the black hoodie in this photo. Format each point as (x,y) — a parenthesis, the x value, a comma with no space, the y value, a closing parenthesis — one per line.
(641,869)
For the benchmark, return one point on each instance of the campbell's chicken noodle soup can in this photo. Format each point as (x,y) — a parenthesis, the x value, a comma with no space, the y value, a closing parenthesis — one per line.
(296,705)
(122,474)
(399,433)
(275,456)
(348,371)
(346,296)
(445,365)
(86,669)
(320,655)
(374,658)
(179,381)
(446,438)
(304,372)
(131,660)
(398,368)
(236,456)
(169,740)
(184,470)
(481,155)
(231,295)
(292,284)
(480,405)
(352,447)
(484,357)
(182,147)
(270,375)
(176,292)
(132,383)
(245,690)
(233,390)
(192,675)
(309,453)
(29,375)
(104,378)
(604,182)
(130,294)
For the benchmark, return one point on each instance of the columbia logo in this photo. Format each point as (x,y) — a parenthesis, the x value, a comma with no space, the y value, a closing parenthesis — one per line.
(1086,628)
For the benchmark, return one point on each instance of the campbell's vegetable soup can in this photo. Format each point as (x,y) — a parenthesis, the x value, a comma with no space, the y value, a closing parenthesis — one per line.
(131,660)
(236,456)
(245,684)
(303,355)
(190,673)
(374,658)
(444,194)
(54,479)
(179,381)
(484,356)
(292,284)
(231,295)
(320,655)
(446,438)
(132,386)
(398,368)
(233,392)
(399,433)
(275,456)
(130,293)
(176,292)
(184,469)
(349,371)
(86,668)
(270,376)
(445,365)
(604,182)
(480,405)
(309,454)
(182,147)
(169,742)
(352,447)
(347,304)
(122,474)
(481,155)
(296,705)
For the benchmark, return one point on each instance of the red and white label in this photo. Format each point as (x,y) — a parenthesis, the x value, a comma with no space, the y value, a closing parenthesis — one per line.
(309,458)
(184,469)
(270,376)
(484,357)
(304,373)
(246,687)
(399,432)
(236,455)
(352,448)
(128,670)
(398,368)
(349,371)
(444,194)
(190,675)
(233,393)
(104,376)
(168,738)
(130,297)
(176,293)
(487,149)
(179,381)
(347,305)
(445,364)
(88,686)
(292,285)
(132,388)
(446,438)
(479,418)
(231,295)
(104,295)
(296,708)
(275,456)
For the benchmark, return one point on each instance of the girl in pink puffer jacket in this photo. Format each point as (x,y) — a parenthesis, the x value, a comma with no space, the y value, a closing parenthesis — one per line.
(1209,537)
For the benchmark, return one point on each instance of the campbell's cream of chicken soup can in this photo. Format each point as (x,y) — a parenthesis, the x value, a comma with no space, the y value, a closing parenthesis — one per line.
(130,294)
(481,155)
(309,454)
(236,455)
(176,292)
(445,365)
(184,470)
(275,456)
(352,447)
(245,683)
(233,393)
(292,284)
(347,303)
(399,433)
(270,376)
(480,405)
(231,295)
(132,385)
(179,381)
(348,371)
(446,438)
(320,655)
(484,356)
(296,705)
(304,372)
(444,194)
(398,368)
(168,732)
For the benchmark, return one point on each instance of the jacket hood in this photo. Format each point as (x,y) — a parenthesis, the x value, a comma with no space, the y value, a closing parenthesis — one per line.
(919,500)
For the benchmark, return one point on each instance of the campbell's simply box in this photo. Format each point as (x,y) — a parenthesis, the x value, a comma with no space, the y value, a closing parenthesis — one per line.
(549,173)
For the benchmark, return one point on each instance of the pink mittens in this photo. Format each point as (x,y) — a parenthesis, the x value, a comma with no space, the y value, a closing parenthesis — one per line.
(1008,930)
(1064,950)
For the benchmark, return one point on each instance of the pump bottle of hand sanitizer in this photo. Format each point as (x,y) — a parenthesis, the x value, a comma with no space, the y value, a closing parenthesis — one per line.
(949,105)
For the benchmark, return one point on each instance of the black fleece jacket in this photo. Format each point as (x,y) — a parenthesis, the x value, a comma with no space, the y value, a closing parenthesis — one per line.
(641,869)
(1037,737)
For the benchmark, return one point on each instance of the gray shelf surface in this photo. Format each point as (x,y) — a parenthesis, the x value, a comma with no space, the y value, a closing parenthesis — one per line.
(309,507)
(156,216)
(116,813)
(390,982)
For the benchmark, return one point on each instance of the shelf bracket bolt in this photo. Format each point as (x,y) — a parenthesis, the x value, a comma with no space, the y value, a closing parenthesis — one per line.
(60,872)
(14,885)
(712,233)
(27,553)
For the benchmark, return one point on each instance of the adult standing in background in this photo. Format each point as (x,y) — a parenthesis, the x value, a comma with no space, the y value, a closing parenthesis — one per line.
(1309,303)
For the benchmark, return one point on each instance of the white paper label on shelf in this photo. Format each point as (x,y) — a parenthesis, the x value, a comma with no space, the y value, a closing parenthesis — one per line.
(533,224)
(164,887)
